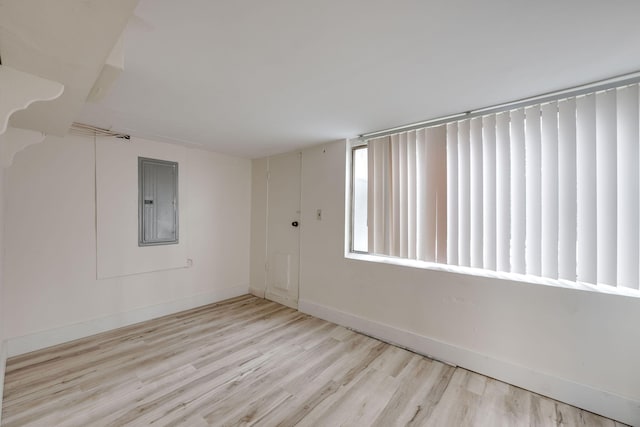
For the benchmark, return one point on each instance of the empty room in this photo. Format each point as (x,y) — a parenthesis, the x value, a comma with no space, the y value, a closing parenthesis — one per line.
(319,213)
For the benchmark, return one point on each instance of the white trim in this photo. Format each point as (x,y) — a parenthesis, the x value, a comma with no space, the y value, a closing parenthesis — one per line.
(15,140)
(581,395)
(481,272)
(281,299)
(39,340)
(257,292)
(20,90)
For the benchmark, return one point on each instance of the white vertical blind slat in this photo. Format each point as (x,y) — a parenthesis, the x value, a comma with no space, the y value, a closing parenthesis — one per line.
(431,232)
(518,189)
(567,207)
(403,200)
(476,193)
(388,199)
(586,185)
(489,191)
(549,198)
(439,164)
(421,190)
(628,132)
(411,194)
(533,251)
(395,195)
(606,187)
(452,193)
(464,193)
(503,196)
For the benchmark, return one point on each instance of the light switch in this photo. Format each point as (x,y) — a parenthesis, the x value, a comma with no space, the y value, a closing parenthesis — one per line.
(319,214)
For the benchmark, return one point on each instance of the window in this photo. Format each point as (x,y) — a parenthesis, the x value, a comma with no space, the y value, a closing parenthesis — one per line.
(550,190)
(360,177)
(157,202)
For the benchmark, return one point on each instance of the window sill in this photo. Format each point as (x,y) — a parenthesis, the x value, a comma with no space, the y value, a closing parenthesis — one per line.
(479,272)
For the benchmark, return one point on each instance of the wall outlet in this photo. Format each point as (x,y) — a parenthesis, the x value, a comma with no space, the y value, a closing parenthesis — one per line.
(189,263)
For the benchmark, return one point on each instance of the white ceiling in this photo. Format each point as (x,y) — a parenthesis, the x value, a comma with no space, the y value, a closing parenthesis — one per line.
(66,41)
(253,78)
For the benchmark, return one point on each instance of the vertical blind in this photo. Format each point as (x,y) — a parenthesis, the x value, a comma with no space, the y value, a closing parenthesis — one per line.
(549,190)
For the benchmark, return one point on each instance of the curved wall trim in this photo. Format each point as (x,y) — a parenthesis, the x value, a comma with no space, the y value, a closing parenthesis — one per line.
(15,140)
(18,90)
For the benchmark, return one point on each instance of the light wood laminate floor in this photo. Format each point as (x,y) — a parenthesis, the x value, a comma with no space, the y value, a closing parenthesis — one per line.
(248,361)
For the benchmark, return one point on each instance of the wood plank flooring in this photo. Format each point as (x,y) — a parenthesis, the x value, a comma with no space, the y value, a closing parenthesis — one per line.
(248,361)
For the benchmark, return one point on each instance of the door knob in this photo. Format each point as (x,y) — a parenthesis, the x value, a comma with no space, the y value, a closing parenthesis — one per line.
(294,223)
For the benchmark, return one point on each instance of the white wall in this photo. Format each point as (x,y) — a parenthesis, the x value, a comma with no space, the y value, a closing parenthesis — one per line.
(117,209)
(51,291)
(577,346)
(259,189)
(3,347)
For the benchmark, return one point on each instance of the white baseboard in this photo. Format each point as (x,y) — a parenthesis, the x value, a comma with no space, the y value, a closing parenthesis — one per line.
(281,299)
(583,396)
(38,340)
(262,293)
(257,292)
